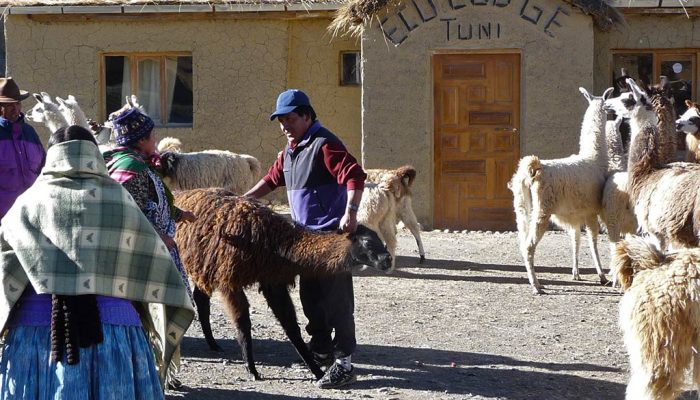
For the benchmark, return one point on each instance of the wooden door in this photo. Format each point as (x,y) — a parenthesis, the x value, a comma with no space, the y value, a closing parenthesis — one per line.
(476,141)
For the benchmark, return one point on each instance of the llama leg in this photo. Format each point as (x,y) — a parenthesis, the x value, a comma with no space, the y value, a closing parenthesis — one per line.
(239,310)
(409,219)
(575,235)
(277,297)
(536,231)
(203,303)
(592,228)
(388,230)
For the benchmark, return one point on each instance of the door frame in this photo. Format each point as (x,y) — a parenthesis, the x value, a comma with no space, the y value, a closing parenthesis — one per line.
(433,128)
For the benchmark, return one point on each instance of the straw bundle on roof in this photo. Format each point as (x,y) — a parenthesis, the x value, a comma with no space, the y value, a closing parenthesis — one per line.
(352,17)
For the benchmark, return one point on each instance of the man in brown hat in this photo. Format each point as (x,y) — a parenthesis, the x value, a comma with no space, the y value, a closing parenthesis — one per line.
(21,153)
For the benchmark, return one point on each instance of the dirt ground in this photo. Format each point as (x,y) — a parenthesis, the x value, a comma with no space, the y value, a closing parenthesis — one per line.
(463,325)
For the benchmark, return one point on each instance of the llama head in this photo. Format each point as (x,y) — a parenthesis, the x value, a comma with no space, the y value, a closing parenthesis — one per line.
(689,122)
(628,103)
(168,162)
(366,248)
(46,112)
(591,98)
(72,111)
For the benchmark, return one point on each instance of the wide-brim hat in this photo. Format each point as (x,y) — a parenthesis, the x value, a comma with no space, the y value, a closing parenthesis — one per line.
(288,101)
(9,91)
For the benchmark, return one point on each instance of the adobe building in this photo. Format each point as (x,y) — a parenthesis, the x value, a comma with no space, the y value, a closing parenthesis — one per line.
(461,89)
(208,72)
(477,84)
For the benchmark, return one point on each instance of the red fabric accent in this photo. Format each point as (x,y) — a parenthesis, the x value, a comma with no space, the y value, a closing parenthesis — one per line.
(343,166)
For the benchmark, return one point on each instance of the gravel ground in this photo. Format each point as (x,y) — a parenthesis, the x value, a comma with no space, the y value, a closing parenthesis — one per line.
(463,325)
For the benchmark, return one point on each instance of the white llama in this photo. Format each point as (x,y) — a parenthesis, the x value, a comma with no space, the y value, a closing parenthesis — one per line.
(567,190)
(46,112)
(72,111)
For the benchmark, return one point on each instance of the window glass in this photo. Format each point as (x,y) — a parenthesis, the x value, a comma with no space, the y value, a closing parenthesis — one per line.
(350,68)
(679,71)
(117,82)
(149,86)
(163,84)
(637,66)
(179,89)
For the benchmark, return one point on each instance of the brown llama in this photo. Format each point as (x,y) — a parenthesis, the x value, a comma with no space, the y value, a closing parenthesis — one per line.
(664,196)
(236,243)
(658,317)
(386,201)
(689,123)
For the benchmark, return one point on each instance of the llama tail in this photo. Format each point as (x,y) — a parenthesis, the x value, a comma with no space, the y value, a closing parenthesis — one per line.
(632,255)
(255,167)
(529,169)
(407,174)
(170,144)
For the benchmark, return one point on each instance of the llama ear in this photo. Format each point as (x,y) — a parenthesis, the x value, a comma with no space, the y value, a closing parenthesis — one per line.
(40,99)
(636,90)
(72,98)
(607,93)
(585,94)
(60,101)
(688,103)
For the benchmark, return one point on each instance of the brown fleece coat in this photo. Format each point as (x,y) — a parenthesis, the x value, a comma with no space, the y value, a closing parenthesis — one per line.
(659,316)
(664,196)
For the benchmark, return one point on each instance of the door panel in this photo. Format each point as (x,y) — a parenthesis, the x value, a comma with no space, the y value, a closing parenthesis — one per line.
(477,117)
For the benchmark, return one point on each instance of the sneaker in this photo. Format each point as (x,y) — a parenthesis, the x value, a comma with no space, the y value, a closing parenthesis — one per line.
(336,376)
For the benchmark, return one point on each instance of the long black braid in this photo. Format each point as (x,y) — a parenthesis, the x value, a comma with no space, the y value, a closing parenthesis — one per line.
(75,322)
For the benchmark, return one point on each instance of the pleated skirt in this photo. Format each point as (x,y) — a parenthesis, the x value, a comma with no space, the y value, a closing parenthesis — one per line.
(122,367)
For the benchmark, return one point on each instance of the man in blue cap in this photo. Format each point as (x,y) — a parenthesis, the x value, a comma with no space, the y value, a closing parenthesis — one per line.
(324,188)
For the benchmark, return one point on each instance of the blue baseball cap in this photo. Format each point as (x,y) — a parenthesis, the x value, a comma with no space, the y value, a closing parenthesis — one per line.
(289,100)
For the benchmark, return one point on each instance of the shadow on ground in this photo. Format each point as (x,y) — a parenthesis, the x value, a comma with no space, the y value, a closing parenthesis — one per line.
(432,370)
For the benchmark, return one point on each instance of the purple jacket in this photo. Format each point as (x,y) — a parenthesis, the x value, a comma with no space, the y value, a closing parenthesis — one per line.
(21,158)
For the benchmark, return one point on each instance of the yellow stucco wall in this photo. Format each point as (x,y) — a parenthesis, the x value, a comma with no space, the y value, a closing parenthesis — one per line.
(398,112)
(240,66)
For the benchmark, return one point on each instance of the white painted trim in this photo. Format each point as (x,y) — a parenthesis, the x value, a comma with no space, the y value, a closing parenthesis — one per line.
(92,9)
(248,7)
(313,7)
(167,8)
(36,10)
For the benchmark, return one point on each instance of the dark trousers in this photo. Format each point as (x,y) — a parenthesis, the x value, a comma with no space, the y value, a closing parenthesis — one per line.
(329,304)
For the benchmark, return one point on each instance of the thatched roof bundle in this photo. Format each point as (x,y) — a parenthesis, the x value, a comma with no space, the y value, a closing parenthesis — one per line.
(352,17)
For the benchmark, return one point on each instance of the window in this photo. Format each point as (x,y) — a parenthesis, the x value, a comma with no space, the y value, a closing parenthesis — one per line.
(678,66)
(162,82)
(350,68)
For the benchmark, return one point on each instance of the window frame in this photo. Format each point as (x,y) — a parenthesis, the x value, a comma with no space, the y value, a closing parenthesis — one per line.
(133,59)
(358,62)
(658,56)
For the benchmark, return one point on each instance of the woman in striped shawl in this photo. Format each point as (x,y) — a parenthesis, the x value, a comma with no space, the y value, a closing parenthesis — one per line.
(136,164)
(83,272)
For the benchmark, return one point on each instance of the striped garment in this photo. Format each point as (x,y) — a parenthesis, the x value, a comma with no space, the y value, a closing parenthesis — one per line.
(77,231)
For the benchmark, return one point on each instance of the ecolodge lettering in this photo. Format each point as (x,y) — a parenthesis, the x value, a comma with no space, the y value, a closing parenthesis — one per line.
(397,26)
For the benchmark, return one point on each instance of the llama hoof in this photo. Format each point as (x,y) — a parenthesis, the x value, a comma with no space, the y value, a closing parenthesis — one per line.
(604,280)
(538,290)
(422,259)
(576,277)
(255,375)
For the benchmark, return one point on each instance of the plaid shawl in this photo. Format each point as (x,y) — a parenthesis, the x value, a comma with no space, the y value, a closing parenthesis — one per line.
(77,231)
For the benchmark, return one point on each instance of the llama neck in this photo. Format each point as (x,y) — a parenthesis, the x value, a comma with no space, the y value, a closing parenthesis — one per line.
(324,253)
(55,122)
(592,142)
(641,117)
(77,117)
